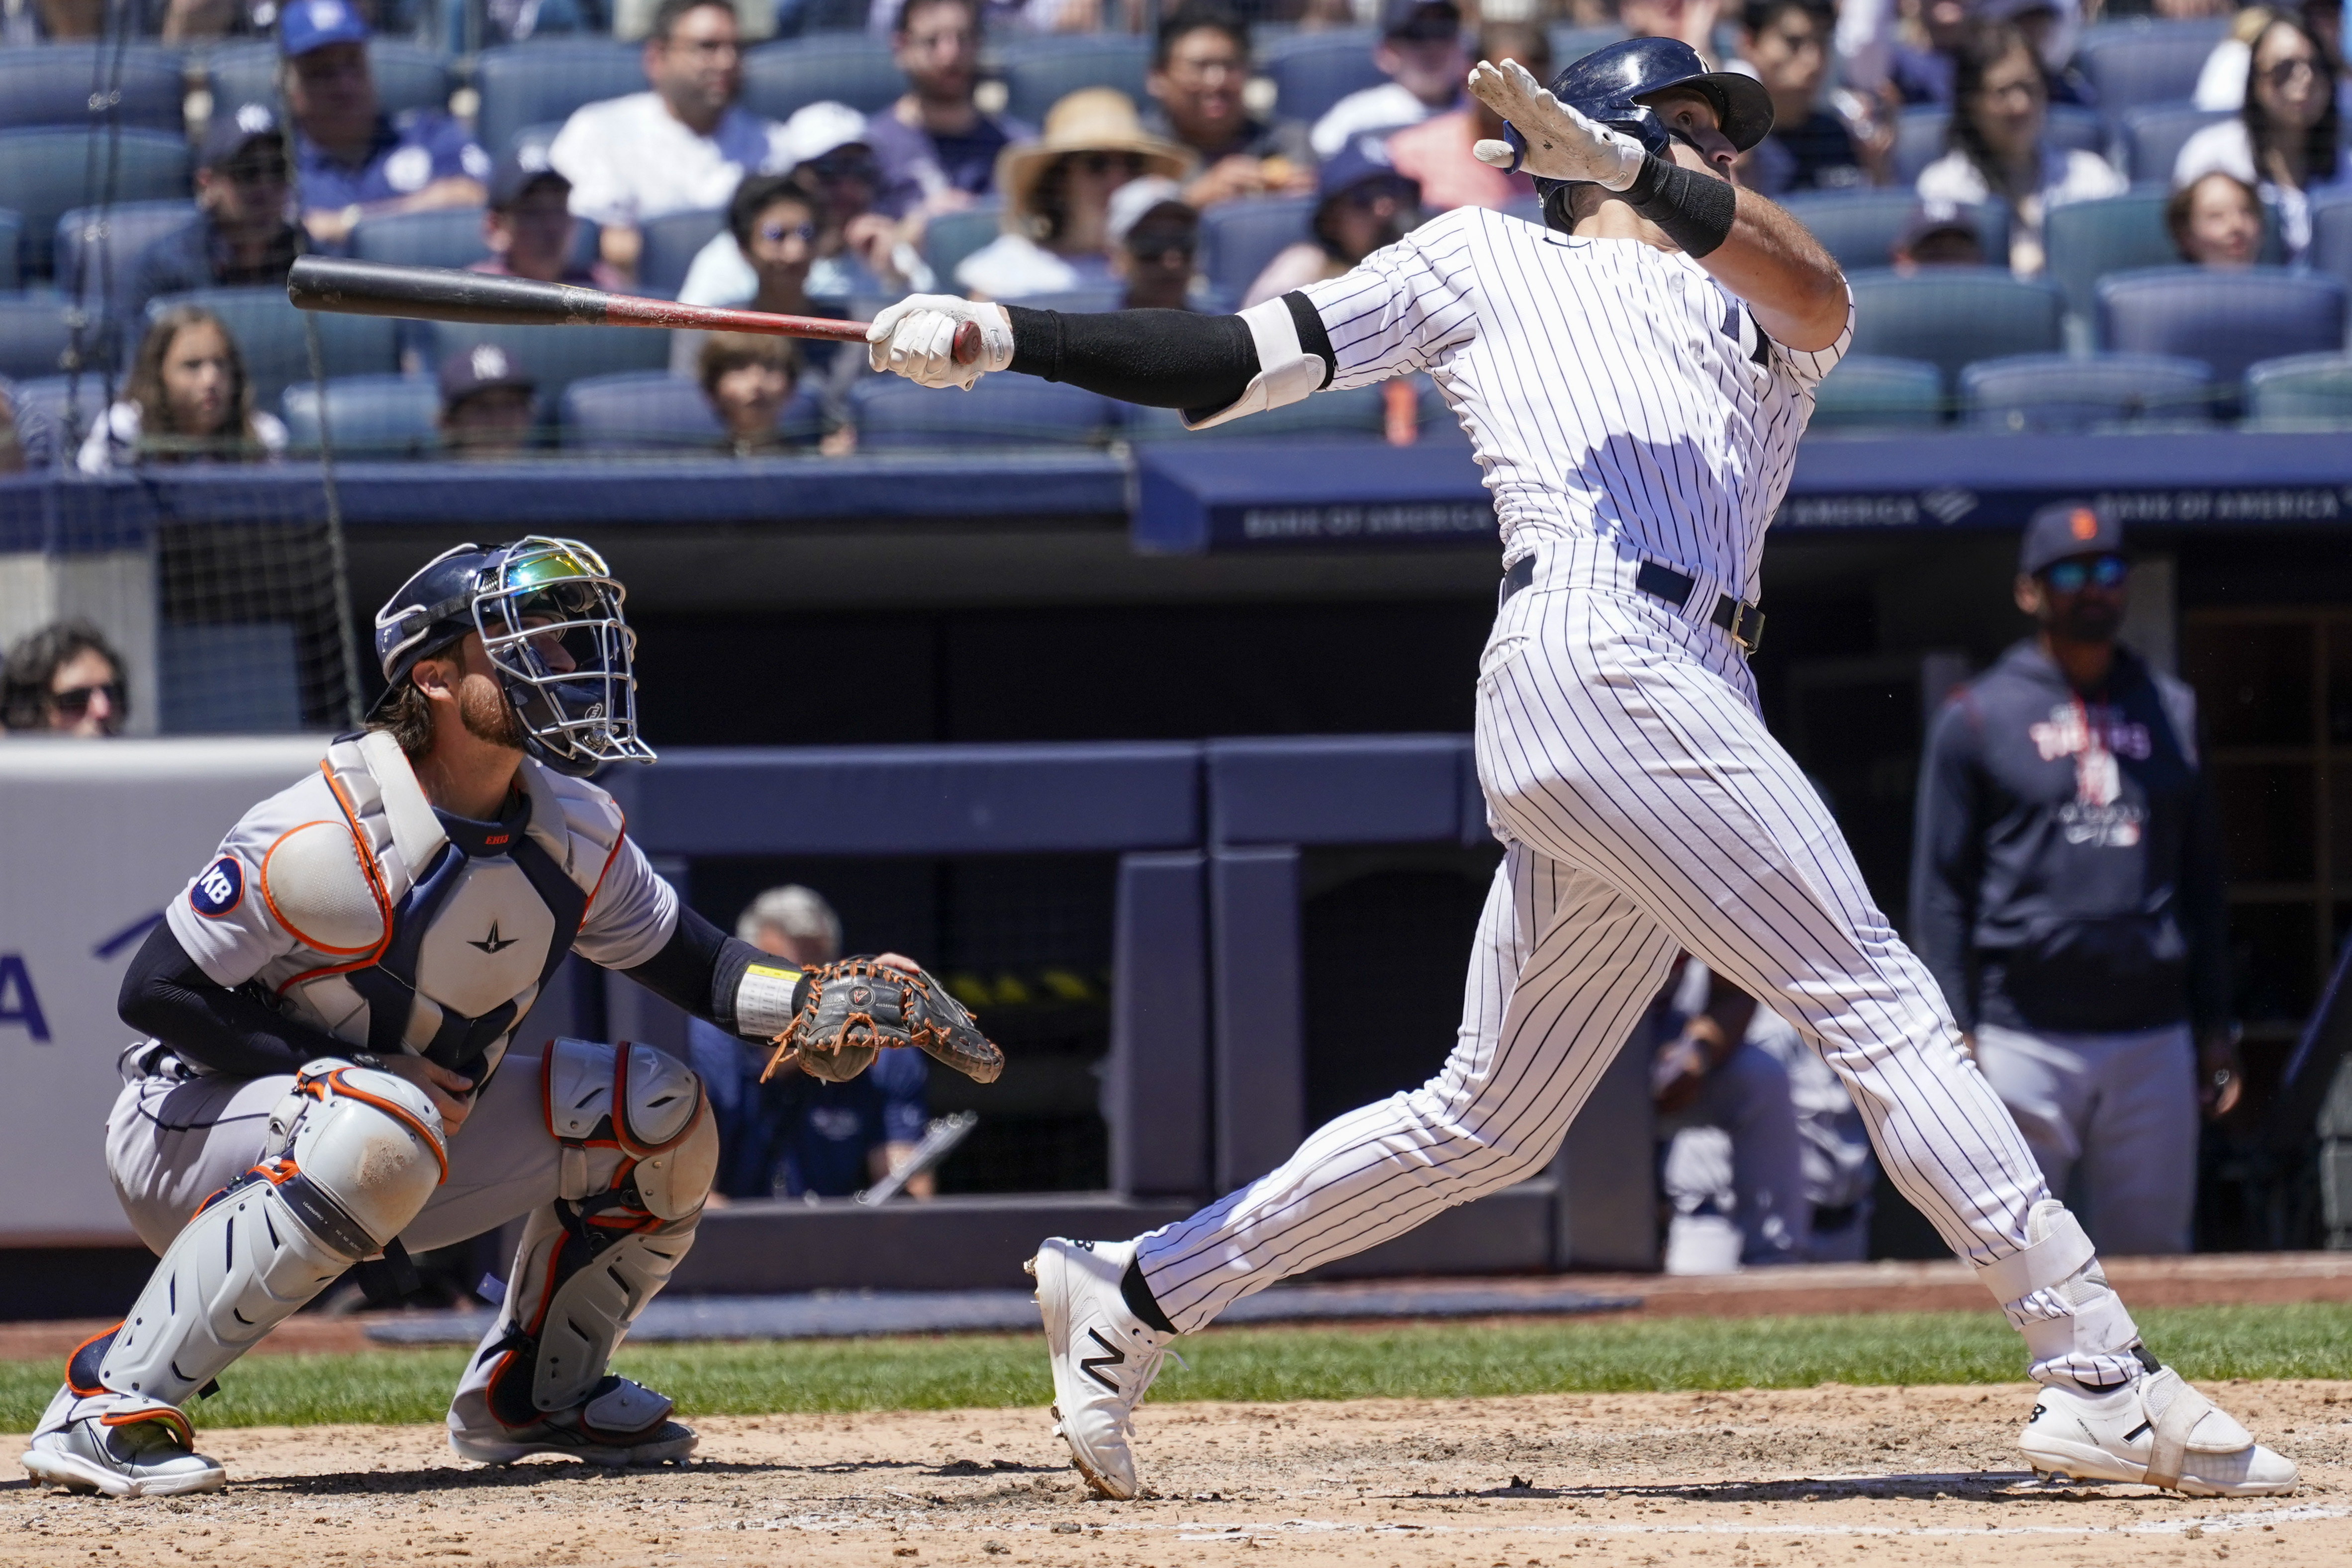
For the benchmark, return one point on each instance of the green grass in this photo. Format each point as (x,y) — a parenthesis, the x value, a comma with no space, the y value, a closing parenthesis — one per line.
(1415,1360)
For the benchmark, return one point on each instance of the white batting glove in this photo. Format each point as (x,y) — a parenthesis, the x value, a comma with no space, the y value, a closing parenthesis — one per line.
(916,337)
(1561,143)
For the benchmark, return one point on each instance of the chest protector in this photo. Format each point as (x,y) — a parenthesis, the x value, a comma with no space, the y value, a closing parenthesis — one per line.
(428,935)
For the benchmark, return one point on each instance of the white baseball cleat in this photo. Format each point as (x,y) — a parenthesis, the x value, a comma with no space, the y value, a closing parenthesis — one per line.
(1103,1357)
(153,1456)
(2155,1429)
(620,1423)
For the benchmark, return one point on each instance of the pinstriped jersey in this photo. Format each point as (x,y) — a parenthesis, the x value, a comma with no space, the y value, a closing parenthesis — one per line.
(1609,388)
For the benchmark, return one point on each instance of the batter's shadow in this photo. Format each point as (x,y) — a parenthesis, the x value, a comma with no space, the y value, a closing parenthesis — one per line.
(528,1474)
(1959,1486)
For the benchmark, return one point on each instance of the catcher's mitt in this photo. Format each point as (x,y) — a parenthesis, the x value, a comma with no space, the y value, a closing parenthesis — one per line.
(844,1012)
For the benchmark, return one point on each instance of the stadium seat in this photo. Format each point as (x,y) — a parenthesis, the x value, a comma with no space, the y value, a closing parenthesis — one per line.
(12,229)
(1312,71)
(1238,238)
(1355,411)
(951,237)
(1920,135)
(671,244)
(271,338)
(71,405)
(1006,409)
(2066,394)
(652,411)
(407,75)
(1040,71)
(2331,236)
(2085,241)
(1875,392)
(2302,390)
(2155,62)
(556,356)
(2153,138)
(55,84)
(44,174)
(36,336)
(530,84)
(2228,319)
(1077,301)
(88,238)
(1950,316)
(1860,227)
(1570,44)
(846,67)
(367,416)
(444,236)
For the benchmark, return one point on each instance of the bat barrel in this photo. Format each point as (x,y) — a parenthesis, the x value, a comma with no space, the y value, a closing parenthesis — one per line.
(348,288)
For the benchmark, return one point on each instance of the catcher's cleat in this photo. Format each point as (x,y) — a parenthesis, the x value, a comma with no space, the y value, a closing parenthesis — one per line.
(1103,1357)
(2156,1429)
(620,1423)
(151,1454)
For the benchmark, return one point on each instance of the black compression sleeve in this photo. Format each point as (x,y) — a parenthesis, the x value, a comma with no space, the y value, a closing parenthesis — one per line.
(167,994)
(1694,209)
(697,969)
(1162,359)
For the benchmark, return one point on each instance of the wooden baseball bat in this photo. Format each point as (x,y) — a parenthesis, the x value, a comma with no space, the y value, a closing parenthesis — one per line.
(441,294)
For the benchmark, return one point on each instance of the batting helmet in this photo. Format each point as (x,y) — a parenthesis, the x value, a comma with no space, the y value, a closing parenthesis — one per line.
(1613,85)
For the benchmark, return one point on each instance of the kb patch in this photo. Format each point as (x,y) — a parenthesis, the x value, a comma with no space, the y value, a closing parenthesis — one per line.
(220,889)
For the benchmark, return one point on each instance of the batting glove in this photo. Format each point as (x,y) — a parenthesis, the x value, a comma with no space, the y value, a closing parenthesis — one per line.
(1550,139)
(916,337)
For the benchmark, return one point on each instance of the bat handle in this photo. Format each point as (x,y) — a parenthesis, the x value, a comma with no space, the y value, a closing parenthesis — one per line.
(967,343)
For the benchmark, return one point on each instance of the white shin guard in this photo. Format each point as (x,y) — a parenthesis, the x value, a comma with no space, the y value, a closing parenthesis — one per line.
(2057,1296)
(640,1150)
(361,1152)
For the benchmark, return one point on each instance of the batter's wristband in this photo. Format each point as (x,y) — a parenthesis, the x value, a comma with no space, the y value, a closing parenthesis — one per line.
(1695,210)
(1518,147)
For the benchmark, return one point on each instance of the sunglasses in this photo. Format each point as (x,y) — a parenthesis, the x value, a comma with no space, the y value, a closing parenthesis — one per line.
(2070,576)
(2285,72)
(74,701)
(776,233)
(1108,162)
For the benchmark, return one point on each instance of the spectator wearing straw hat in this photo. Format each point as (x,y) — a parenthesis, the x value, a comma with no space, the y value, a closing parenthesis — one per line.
(242,233)
(1057,191)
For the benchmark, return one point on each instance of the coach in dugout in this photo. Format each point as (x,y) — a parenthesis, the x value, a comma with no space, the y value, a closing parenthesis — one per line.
(2066,891)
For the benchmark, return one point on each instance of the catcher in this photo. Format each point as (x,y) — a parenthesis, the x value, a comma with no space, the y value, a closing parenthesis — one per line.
(330,1076)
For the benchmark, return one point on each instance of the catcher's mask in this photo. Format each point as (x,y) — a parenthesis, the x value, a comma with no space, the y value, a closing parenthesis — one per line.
(549,612)
(1614,85)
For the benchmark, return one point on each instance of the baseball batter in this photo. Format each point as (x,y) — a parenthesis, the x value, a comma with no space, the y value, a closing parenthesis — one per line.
(330,1004)
(1633,376)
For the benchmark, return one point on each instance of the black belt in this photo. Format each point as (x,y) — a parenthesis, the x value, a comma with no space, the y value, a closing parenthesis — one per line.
(1743,620)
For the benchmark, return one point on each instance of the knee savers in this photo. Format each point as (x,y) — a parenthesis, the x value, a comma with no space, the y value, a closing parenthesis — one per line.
(358,1153)
(2059,1258)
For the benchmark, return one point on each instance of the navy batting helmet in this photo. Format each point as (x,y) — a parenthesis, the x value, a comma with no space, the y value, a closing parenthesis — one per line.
(1613,85)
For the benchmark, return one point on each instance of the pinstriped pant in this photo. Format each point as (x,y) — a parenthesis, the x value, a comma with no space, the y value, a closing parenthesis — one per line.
(1644,807)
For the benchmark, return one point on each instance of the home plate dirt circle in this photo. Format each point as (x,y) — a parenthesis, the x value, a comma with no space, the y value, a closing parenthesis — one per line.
(1748,1479)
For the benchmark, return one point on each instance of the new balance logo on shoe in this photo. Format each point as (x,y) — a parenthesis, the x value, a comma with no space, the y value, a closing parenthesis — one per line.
(1112,1356)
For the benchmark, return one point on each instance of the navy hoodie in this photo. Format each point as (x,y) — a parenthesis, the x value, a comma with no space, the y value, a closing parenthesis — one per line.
(2067,872)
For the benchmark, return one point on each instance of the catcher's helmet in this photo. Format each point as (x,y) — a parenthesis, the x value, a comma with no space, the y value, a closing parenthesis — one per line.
(1611,86)
(549,612)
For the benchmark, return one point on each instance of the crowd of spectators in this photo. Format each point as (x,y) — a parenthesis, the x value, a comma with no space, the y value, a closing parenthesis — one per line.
(831,211)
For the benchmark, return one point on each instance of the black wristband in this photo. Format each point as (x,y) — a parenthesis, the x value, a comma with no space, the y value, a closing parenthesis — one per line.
(1695,210)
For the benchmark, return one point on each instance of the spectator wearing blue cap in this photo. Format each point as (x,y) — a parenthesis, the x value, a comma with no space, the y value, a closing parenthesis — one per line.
(352,160)
(2066,893)
(1365,204)
(243,235)
(529,225)
(1422,55)
(488,402)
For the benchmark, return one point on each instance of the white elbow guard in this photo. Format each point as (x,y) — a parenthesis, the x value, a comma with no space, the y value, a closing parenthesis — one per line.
(1286,373)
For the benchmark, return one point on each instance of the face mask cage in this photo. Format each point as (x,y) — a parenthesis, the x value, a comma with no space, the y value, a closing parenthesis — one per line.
(550,616)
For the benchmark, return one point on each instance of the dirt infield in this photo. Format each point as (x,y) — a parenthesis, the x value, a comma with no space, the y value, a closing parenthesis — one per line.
(1732,1481)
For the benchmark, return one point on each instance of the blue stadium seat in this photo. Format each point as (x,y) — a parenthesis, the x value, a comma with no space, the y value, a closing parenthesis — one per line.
(1920,135)
(2066,394)
(1859,227)
(117,235)
(1238,238)
(44,174)
(1007,409)
(2300,389)
(2153,138)
(640,411)
(270,335)
(845,68)
(951,237)
(12,229)
(36,337)
(671,244)
(380,416)
(1312,71)
(2228,319)
(71,405)
(555,357)
(407,75)
(805,18)
(529,84)
(2331,236)
(445,237)
(2085,241)
(2154,62)
(1040,71)
(1354,411)
(1077,301)
(1950,316)
(1877,392)
(1570,44)
(56,85)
